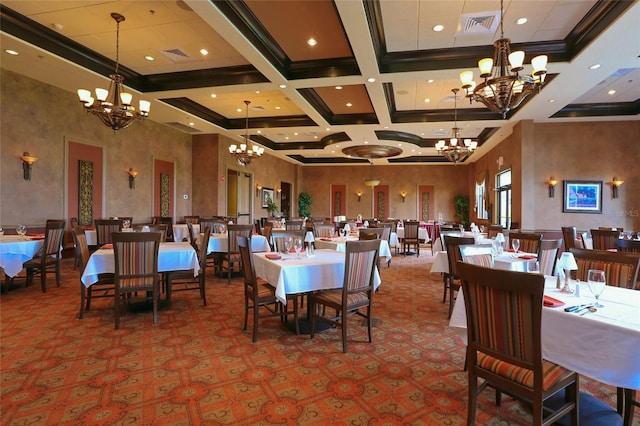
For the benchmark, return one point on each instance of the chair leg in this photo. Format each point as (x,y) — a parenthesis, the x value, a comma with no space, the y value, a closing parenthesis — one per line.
(43,279)
(58,273)
(444,282)
(343,324)
(620,401)
(256,307)
(117,302)
(451,298)
(83,291)
(629,398)
(156,296)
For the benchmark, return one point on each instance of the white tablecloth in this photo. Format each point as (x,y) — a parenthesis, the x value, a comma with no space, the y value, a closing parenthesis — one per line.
(422,234)
(393,239)
(340,245)
(291,275)
(14,251)
(171,257)
(508,261)
(181,231)
(92,235)
(603,345)
(219,243)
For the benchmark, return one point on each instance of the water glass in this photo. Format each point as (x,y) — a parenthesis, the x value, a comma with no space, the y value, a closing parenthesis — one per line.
(21,230)
(596,280)
(1,231)
(515,244)
(297,245)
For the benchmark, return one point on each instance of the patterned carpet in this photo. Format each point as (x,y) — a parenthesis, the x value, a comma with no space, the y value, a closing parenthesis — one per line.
(198,366)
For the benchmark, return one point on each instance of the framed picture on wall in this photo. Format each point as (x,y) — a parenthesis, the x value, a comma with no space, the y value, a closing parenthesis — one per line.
(266,194)
(582,196)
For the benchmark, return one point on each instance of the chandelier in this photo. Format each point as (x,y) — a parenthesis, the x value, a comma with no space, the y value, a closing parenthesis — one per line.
(454,151)
(243,153)
(113,106)
(504,90)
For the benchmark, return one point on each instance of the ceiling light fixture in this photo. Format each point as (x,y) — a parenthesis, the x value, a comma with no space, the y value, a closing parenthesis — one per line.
(113,106)
(504,90)
(455,152)
(372,181)
(243,153)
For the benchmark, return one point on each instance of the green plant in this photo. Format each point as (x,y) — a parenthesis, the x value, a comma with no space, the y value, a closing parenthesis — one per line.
(462,208)
(304,204)
(272,207)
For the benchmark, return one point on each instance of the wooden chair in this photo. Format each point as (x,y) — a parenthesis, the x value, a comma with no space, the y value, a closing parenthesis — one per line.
(207,221)
(257,293)
(505,351)
(477,254)
(604,239)
(279,236)
(73,222)
(620,269)
(410,237)
(628,246)
(232,257)
(49,257)
(529,242)
(294,225)
(162,229)
(370,233)
(168,220)
(192,219)
(451,279)
(103,288)
(136,268)
(356,292)
(494,230)
(104,229)
(184,280)
(193,236)
(324,231)
(569,236)
(549,250)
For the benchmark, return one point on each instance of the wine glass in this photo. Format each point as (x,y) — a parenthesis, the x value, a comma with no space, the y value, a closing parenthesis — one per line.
(126,224)
(597,282)
(287,244)
(1,232)
(515,244)
(222,228)
(342,232)
(297,245)
(21,230)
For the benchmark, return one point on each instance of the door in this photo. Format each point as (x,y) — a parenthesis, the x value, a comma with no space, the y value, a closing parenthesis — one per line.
(286,200)
(239,191)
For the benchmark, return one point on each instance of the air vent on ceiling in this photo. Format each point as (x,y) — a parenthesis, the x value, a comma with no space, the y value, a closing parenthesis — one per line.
(182,127)
(177,55)
(479,23)
(440,133)
(258,108)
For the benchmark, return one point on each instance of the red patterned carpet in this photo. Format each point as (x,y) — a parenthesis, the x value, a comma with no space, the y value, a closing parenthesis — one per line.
(198,366)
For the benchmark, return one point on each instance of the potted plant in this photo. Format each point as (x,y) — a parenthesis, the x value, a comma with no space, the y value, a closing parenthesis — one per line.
(304,204)
(272,207)
(462,209)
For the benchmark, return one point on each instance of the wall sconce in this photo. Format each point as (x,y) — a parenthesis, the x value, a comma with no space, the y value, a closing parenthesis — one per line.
(359,194)
(552,186)
(403,194)
(132,178)
(258,190)
(278,191)
(27,162)
(615,184)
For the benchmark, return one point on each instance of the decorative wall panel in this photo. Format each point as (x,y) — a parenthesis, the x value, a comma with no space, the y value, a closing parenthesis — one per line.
(85,192)
(165,200)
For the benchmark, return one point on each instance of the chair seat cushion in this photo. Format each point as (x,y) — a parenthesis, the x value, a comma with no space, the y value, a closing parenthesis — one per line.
(265,290)
(136,282)
(334,297)
(592,411)
(551,372)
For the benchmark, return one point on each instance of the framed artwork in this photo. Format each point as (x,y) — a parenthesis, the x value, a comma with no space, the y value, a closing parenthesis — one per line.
(266,193)
(582,196)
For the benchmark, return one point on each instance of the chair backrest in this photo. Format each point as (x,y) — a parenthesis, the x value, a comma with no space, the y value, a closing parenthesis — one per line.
(549,250)
(361,258)
(53,235)
(233,231)
(257,229)
(628,246)
(529,242)
(452,246)
(279,236)
(352,224)
(192,235)
(81,247)
(494,230)
(202,249)
(161,228)
(248,270)
(168,220)
(324,230)
(192,219)
(294,225)
(514,337)
(386,231)
(266,231)
(477,254)
(620,269)
(604,239)
(370,234)
(411,229)
(569,236)
(104,229)
(206,221)
(136,259)
(73,222)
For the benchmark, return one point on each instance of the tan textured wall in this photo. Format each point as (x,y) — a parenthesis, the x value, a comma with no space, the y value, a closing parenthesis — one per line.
(448,181)
(38,118)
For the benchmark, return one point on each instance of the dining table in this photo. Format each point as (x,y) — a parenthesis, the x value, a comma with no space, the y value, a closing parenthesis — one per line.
(219,243)
(507,260)
(15,250)
(179,256)
(340,244)
(603,344)
(423,234)
(291,274)
(181,231)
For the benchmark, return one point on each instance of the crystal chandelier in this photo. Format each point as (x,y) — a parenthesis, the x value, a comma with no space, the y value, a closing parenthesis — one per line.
(454,151)
(113,106)
(243,153)
(504,90)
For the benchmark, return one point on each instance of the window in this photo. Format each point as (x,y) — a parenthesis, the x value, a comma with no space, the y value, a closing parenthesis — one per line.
(481,207)
(503,198)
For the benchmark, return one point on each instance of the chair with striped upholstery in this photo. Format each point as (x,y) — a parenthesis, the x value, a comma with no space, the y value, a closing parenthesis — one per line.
(451,245)
(280,235)
(620,269)
(549,256)
(569,237)
(504,351)
(104,229)
(231,258)
(604,239)
(294,225)
(494,230)
(356,292)
(136,268)
(529,241)
(628,246)
(324,231)
(477,254)
(376,232)
(184,280)
(49,257)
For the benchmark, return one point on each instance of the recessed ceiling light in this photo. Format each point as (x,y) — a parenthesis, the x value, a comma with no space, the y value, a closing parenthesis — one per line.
(371,80)
(295,133)
(521,21)
(58,26)
(594,66)
(333,152)
(349,104)
(312,42)
(204,52)
(11,52)
(551,101)
(327,129)
(399,144)
(191,123)
(315,137)
(257,91)
(278,107)
(282,86)
(259,131)
(337,146)
(427,100)
(338,87)
(366,142)
(239,110)
(213,95)
(438,28)
(150,58)
(611,92)
(430,81)
(286,138)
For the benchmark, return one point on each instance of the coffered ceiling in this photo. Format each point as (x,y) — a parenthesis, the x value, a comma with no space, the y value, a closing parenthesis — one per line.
(378,76)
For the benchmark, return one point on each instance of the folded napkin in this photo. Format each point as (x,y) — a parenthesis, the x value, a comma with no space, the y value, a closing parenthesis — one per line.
(551,302)
(527,257)
(90,228)
(36,235)
(273,256)
(511,250)
(325,239)
(107,246)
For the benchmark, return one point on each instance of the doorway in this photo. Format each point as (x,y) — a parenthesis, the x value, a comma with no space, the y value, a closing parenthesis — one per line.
(239,196)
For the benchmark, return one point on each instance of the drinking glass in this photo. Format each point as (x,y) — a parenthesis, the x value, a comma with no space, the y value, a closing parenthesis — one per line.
(297,245)
(126,224)
(287,244)
(21,230)
(1,231)
(515,244)
(597,282)
(342,232)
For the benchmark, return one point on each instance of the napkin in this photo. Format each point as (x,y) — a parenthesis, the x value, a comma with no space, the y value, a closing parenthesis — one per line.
(551,302)
(325,239)
(273,256)
(107,246)
(527,257)
(36,235)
